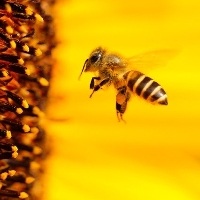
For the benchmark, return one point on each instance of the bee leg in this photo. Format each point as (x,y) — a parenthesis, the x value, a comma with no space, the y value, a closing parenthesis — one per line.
(92,82)
(121,102)
(97,87)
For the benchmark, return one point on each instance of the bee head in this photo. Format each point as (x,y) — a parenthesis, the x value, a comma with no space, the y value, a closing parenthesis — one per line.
(93,63)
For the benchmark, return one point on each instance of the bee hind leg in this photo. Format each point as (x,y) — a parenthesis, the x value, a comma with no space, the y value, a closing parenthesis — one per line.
(121,102)
(120,111)
(120,117)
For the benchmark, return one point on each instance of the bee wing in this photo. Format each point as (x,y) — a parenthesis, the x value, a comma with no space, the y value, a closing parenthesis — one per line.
(152,59)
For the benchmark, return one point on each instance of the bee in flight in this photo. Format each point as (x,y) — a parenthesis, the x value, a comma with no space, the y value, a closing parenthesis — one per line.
(112,69)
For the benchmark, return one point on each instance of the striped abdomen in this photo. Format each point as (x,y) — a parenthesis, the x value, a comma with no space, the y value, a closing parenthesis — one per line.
(145,87)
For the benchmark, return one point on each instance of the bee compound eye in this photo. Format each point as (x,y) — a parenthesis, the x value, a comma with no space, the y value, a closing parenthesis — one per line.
(95,58)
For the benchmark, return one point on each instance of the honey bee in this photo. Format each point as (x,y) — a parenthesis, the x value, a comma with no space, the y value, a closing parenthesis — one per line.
(112,69)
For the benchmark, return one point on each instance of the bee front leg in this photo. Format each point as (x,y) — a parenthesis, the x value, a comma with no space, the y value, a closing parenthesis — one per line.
(98,86)
(121,102)
(92,82)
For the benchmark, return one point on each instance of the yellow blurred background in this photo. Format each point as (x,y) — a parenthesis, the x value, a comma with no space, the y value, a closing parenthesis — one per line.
(156,154)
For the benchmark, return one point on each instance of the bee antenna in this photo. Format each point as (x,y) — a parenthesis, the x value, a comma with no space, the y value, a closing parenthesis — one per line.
(82,69)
